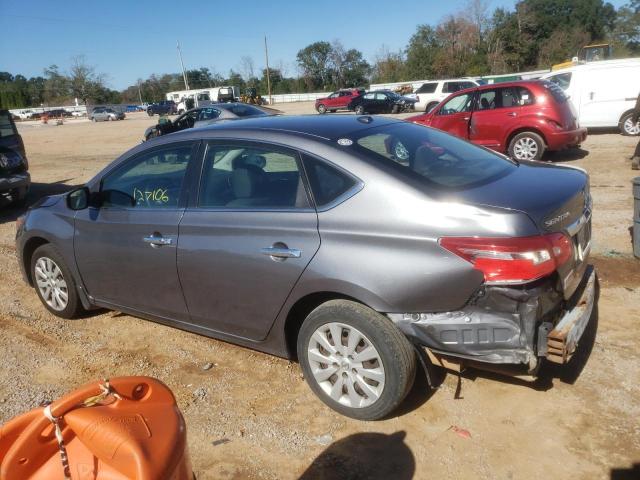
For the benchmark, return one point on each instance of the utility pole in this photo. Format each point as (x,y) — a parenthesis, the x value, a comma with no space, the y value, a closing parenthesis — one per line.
(184,72)
(139,93)
(266,55)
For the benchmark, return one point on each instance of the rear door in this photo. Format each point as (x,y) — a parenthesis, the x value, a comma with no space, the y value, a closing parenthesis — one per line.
(9,136)
(246,239)
(453,115)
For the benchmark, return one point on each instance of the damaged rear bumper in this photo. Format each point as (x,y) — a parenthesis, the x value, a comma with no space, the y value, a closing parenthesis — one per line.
(508,325)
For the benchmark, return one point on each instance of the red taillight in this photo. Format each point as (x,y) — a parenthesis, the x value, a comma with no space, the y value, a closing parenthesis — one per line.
(512,259)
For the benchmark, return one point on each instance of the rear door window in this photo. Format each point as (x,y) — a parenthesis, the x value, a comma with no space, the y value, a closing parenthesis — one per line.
(251,177)
(427,88)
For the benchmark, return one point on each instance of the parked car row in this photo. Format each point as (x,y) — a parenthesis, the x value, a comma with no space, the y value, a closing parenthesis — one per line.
(361,102)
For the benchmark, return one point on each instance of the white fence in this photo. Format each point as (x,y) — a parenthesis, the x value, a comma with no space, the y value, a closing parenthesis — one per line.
(296,97)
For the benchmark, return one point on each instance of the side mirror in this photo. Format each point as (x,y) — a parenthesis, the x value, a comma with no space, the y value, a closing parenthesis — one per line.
(116,198)
(78,199)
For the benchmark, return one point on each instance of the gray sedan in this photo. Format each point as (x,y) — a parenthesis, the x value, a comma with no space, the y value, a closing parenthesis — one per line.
(102,114)
(362,246)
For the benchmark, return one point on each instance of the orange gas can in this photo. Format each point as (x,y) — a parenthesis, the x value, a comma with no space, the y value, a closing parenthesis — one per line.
(128,428)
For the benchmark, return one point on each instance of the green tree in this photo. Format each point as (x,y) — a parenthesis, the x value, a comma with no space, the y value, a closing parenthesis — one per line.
(314,62)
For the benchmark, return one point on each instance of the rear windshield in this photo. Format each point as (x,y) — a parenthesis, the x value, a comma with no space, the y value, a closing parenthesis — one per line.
(6,125)
(556,89)
(432,156)
(244,110)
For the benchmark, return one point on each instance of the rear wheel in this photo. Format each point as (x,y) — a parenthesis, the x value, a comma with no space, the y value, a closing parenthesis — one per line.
(321,109)
(526,146)
(627,127)
(53,282)
(355,359)
(395,109)
(359,110)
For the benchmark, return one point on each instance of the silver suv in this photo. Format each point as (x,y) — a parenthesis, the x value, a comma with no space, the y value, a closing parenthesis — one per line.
(357,244)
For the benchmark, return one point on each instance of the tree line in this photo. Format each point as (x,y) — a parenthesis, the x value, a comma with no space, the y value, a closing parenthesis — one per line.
(535,34)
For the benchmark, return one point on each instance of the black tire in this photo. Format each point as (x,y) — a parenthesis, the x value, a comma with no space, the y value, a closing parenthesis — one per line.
(150,112)
(624,125)
(74,306)
(395,351)
(430,106)
(529,138)
(360,110)
(322,109)
(395,109)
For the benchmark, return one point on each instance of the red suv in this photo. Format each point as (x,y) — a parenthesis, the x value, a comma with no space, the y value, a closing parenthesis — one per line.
(338,100)
(522,119)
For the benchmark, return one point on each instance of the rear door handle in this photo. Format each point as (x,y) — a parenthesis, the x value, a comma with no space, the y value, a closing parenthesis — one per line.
(512,114)
(279,252)
(156,240)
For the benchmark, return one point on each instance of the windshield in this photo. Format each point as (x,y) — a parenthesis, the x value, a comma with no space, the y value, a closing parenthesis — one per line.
(441,160)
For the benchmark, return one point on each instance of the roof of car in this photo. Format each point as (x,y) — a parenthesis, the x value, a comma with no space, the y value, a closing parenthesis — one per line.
(327,127)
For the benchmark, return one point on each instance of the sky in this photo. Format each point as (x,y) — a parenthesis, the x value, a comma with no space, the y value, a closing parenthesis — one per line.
(131,39)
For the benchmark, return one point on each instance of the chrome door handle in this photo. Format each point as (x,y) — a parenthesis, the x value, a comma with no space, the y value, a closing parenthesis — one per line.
(512,114)
(280,252)
(157,240)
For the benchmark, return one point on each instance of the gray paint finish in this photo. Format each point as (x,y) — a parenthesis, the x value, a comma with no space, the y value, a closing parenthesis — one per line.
(378,246)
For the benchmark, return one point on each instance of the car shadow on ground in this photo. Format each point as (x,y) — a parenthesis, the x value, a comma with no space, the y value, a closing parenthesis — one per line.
(374,456)
(9,213)
(569,155)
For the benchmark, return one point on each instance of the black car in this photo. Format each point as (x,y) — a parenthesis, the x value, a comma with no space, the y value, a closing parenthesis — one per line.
(14,176)
(197,117)
(381,101)
(164,107)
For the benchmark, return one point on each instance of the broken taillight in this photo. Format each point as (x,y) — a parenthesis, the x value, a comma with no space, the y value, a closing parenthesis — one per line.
(512,259)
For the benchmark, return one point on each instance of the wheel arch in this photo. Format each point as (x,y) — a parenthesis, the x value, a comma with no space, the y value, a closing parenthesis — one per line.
(30,246)
(624,114)
(519,130)
(301,309)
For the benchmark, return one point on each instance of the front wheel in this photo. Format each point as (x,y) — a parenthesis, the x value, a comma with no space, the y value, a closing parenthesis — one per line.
(355,359)
(526,146)
(321,109)
(627,127)
(360,110)
(53,282)
(150,113)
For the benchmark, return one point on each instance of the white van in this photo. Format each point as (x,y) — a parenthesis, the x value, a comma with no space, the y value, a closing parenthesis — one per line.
(602,93)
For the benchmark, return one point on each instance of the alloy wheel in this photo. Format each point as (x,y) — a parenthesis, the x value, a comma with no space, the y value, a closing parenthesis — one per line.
(526,148)
(346,365)
(51,284)
(631,128)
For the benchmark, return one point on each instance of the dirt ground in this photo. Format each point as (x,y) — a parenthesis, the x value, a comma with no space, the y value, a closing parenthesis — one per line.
(251,416)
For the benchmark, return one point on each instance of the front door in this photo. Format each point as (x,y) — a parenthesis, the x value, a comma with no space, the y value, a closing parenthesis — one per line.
(126,248)
(248,238)
(454,115)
